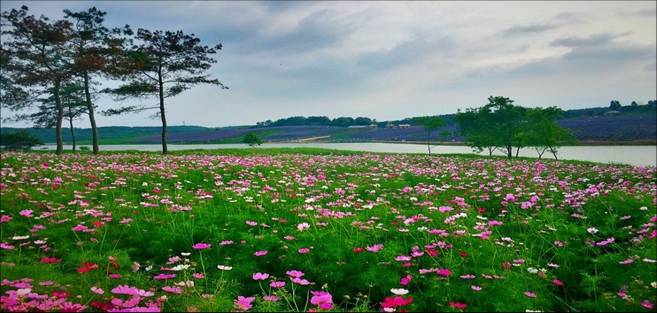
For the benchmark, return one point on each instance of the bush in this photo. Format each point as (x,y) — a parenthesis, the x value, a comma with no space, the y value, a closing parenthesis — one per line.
(252,139)
(21,140)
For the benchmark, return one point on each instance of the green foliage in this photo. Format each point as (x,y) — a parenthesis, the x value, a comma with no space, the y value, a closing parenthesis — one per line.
(502,125)
(21,140)
(252,139)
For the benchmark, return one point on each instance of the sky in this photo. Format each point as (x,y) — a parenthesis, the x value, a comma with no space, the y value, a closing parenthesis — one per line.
(391,60)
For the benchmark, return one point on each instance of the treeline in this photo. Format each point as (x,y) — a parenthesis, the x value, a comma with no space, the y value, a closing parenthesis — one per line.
(55,69)
(318,121)
(502,125)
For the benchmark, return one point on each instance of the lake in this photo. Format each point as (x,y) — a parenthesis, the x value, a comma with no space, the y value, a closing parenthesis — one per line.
(633,155)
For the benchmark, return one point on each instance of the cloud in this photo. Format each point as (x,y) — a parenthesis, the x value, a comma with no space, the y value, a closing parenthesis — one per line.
(529,29)
(593,40)
(389,60)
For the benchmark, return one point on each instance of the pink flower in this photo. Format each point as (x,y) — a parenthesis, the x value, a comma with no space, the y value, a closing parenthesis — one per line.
(300,281)
(444,272)
(294,273)
(304,250)
(270,298)
(444,209)
(174,290)
(374,248)
(557,282)
(201,246)
(647,304)
(97,290)
(260,276)
(244,303)
(322,299)
(509,197)
(277,284)
(198,275)
(530,294)
(79,228)
(131,291)
(261,253)
(303,226)
(405,280)
(26,213)
(5,218)
(164,276)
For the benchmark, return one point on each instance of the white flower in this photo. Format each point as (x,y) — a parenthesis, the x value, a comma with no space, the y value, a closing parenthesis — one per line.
(399,292)
(592,230)
(180,267)
(224,267)
(185,253)
(532,270)
(20,237)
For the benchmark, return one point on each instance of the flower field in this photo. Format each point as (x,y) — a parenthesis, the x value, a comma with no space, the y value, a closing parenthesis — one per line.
(298,230)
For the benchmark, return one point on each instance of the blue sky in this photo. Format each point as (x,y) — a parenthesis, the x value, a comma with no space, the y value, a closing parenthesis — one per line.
(390,60)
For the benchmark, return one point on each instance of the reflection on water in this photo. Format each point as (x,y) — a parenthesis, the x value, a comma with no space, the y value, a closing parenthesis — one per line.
(634,155)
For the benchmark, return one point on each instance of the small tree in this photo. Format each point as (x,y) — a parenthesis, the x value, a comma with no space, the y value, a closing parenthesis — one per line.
(430,123)
(252,139)
(543,132)
(163,64)
(21,140)
(615,105)
(476,126)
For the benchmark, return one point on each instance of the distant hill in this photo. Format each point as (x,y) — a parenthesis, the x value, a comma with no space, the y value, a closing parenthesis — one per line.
(629,124)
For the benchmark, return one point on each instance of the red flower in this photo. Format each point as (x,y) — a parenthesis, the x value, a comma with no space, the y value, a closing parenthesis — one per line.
(393,302)
(50,260)
(432,252)
(458,305)
(358,249)
(86,267)
(60,294)
(463,254)
(98,224)
(101,306)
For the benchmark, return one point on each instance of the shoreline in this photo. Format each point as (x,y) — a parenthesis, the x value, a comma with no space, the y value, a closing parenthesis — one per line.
(433,143)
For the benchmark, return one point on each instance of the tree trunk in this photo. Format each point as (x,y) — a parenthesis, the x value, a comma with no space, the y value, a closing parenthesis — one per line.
(517,151)
(490,151)
(70,123)
(90,111)
(509,151)
(60,117)
(162,114)
(554,152)
(428,142)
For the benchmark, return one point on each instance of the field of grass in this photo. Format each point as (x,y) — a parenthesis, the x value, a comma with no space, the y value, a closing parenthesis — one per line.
(322,230)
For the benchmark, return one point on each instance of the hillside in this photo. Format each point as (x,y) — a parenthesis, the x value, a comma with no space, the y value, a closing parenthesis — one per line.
(632,124)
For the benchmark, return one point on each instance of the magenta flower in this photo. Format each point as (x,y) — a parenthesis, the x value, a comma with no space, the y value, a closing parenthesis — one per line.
(374,248)
(260,253)
(201,246)
(322,299)
(270,298)
(244,303)
(294,273)
(174,290)
(444,272)
(304,250)
(277,284)
(260,276)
